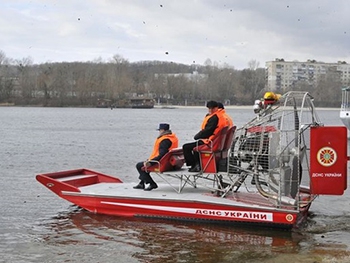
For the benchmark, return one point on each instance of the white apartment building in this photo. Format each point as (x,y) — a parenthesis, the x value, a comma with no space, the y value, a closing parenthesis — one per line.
(286,74)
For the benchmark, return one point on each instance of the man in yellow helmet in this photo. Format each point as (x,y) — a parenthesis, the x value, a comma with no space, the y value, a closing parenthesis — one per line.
(270,98)
(265,105)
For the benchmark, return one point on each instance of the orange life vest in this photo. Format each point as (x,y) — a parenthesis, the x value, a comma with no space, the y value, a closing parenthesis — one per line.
(222,122)
(229,121)
(174,143)
(205,120)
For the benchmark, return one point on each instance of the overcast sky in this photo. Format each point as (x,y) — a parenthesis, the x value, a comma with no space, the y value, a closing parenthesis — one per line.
(183,31)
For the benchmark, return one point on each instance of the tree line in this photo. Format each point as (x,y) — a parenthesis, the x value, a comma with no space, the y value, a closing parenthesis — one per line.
(84,83)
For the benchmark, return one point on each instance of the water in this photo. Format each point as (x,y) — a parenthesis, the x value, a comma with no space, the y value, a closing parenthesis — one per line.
(37,226)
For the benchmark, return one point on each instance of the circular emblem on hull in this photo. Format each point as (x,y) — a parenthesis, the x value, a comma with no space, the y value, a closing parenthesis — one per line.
(289,218)
(326,156)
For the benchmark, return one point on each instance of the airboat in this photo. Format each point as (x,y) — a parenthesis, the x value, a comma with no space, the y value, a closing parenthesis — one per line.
(266,173)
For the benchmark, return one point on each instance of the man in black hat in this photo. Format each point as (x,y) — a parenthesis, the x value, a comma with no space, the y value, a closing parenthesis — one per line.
(166,141)
(209,125)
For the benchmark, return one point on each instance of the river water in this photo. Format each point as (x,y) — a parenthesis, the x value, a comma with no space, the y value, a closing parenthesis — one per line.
(38,226)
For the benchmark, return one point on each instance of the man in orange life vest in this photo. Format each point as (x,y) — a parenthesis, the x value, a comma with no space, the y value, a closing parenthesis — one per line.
(164,142)
(211,126)
(225,115)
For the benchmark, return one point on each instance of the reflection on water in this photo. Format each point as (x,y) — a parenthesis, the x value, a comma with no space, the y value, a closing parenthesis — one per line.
(328,223)
(149,240)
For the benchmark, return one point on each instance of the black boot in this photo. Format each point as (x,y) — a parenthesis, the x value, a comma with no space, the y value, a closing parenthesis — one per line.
(151,187)
(141,185)
(195,168)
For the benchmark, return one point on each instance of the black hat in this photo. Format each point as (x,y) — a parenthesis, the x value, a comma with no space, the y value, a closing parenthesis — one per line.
(220,105)
(212,104)
(163,126)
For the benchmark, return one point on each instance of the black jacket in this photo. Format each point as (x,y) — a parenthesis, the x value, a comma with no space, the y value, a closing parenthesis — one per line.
(209,128)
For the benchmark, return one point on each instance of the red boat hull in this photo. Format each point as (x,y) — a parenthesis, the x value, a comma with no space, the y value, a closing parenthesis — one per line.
(182,210)
(103,194)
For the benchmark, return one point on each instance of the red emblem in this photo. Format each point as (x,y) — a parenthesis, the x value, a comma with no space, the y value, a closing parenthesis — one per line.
(326,156)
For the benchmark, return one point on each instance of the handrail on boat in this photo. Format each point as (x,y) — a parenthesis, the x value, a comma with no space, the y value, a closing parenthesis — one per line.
(345,103)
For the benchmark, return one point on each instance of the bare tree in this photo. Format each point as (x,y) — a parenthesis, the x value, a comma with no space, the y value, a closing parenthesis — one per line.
(27,78)
(3,58)
(253,64)
(7,79)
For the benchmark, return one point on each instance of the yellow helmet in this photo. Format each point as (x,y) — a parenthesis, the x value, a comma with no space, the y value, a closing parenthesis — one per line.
(269,96)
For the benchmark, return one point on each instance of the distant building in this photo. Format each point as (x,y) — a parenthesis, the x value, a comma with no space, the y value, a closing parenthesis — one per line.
(282,74)
(135,101)
(194,76)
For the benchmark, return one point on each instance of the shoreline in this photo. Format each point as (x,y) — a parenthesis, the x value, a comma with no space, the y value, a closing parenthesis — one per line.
(243,107)
(163,107)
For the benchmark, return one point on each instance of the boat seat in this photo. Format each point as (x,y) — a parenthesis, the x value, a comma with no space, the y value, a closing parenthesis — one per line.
(228,141)
(210,154)
(223,162)
(171,161)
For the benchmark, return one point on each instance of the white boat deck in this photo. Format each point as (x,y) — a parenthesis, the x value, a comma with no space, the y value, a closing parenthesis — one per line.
(74,177)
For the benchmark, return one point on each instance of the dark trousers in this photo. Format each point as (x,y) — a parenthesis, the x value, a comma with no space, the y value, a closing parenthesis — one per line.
(144,176)
(191,157)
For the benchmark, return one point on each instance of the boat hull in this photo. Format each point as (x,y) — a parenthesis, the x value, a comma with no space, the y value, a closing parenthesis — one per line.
(113,197)
(182,210)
